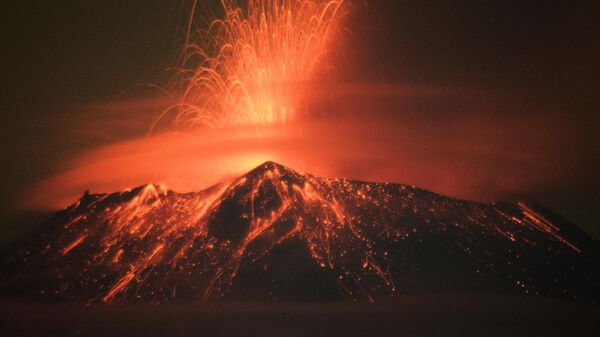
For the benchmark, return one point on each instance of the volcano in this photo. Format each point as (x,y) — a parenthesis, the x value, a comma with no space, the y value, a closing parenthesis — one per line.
(278,234)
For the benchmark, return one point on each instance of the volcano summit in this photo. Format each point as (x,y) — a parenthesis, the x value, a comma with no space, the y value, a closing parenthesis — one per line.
(277,234)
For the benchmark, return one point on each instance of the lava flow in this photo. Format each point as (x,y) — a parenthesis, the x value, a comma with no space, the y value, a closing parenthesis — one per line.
(277,234)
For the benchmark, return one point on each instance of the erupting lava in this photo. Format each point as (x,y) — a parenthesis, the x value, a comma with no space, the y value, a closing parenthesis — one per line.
(275,233)
(251,66)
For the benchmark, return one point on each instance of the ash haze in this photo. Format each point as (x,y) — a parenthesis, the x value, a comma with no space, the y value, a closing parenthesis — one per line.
(482,101)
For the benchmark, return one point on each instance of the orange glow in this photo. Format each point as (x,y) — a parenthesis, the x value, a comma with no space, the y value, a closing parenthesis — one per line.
(473,166)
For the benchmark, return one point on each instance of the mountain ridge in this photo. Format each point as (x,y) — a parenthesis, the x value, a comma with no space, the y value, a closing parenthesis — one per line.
(279,234)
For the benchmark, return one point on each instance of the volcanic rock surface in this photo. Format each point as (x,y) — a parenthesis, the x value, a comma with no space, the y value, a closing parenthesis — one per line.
(277,234)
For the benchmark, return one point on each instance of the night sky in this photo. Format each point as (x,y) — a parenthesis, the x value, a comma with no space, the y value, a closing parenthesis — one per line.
(534,63)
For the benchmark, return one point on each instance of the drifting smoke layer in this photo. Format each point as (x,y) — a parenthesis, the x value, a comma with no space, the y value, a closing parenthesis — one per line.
(251,66)
(480,165)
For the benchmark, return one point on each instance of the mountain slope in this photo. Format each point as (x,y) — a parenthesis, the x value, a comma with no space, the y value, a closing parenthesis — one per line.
(277,234)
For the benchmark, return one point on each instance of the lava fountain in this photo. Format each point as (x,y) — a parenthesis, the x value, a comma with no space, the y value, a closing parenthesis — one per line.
(251,67)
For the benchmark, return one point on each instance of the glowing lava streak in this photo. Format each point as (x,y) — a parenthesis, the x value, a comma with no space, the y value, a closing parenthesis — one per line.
(251,66)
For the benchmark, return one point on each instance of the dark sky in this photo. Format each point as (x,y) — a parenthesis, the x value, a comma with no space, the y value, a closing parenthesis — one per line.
(533,58)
